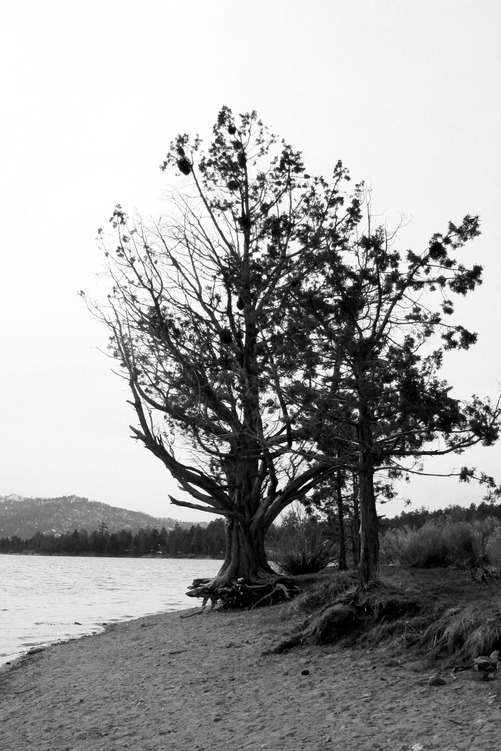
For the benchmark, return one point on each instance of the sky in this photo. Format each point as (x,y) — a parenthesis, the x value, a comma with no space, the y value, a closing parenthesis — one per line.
(406,94)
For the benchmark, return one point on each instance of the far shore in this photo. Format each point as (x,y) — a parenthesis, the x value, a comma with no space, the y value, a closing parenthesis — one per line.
(109,555)
(182,681)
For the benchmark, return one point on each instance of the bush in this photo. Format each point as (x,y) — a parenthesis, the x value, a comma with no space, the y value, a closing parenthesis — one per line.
(463,545)
(302,547)
(305,561)
(415,547)
(493,548)
(441,544)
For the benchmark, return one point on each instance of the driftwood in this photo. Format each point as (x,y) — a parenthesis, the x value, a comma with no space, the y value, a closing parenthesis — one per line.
(241,594)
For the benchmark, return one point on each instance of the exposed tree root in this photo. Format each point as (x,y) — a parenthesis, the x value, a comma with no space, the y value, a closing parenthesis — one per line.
(242,594)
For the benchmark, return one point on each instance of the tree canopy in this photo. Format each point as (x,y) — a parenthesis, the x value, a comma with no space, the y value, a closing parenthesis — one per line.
(196,315)
(376,341)
(270,338)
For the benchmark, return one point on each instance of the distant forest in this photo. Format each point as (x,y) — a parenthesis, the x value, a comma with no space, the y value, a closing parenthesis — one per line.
(180,542)
(209,541)
(419,517)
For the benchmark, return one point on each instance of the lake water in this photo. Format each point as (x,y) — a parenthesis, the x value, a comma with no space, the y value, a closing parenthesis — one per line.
(47,599)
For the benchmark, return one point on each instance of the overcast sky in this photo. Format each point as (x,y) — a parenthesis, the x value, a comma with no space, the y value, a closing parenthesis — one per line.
(407,94)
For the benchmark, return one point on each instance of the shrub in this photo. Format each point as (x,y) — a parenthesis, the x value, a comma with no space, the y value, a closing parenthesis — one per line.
(463,545)
(439,544)
(493,548)
(305,561)
(302,547)
(415,547)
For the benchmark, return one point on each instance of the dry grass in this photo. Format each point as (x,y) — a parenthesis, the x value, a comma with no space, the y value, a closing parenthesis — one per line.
(444,543)
(438,613)
(466,631)
(320,592)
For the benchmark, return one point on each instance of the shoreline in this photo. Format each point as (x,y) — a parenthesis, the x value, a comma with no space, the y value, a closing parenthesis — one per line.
(41,646)
(47,599)
(182,681)
(94,630)
(157,556)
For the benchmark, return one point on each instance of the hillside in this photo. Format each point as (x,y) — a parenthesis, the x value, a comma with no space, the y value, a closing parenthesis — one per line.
(25,517)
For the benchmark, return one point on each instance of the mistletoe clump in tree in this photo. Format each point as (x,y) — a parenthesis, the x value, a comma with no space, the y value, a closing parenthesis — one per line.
(196,315)
(377,336)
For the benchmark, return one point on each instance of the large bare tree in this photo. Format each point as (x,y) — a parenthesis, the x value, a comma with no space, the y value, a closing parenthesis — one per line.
(196,311)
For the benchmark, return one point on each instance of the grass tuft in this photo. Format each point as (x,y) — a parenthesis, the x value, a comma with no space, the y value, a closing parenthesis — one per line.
(321,594)
(465,631)
(437,613)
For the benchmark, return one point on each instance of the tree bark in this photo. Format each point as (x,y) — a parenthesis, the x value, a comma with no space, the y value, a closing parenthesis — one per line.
(369,533)
(355,523)
(245,579)
(340,512)
(245,556)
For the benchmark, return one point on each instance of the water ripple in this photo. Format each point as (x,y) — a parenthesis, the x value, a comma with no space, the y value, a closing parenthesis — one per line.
(58,598)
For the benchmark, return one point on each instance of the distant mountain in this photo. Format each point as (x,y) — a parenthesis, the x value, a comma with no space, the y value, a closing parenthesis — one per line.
(25,517)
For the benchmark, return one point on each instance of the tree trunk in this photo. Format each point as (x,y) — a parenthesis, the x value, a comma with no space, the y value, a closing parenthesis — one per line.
(369,535)
(245,579)
(340,512)
(355,523)
(245,556)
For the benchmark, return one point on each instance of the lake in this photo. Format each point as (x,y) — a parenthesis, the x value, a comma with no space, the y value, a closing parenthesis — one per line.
(46,599)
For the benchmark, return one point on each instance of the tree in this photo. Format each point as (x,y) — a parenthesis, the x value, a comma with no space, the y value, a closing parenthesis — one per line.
(329,498)
(195,315)
(375,346)
(214,535)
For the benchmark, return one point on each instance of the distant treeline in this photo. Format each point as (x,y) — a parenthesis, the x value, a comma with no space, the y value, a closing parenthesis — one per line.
(209,541)
(419,517)
(179,542)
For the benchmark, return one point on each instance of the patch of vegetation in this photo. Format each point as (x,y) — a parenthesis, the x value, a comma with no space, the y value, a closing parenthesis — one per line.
(444,542)
(437,613)
(466,631)
(303,545)
(305,561)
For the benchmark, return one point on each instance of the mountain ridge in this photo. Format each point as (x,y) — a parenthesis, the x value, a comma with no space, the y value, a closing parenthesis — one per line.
(24,517)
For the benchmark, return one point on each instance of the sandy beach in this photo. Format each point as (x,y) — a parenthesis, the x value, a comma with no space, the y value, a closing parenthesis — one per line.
(167,683)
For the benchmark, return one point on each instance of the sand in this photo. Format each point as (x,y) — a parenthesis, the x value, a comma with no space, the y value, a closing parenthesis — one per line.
(166,683)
